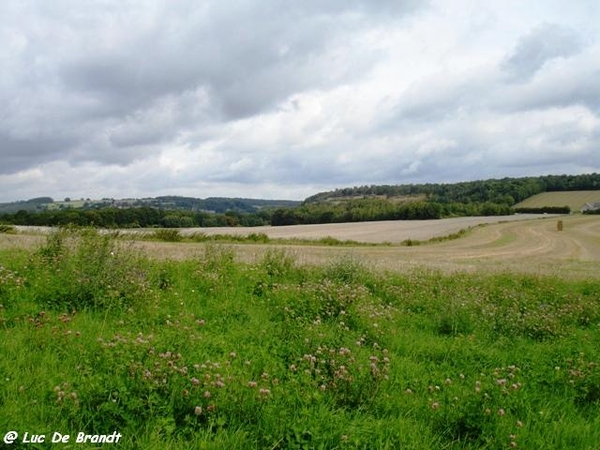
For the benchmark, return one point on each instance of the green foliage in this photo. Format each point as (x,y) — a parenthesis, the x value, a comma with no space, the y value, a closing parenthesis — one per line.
(545,210)
(12,284)
(9,229)
(83,269)
(167,235)
(356,211)
(134,217)
(213,353)
(348,269)
(507,191)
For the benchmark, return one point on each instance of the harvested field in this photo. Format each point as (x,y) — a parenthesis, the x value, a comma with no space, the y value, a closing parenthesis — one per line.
(513,245)
(527,246)
(392,231)
(573,199)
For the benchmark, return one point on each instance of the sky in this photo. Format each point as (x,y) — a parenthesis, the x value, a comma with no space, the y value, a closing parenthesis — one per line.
(282,99)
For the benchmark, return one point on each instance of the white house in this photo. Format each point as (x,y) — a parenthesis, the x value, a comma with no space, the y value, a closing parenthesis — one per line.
(590,206)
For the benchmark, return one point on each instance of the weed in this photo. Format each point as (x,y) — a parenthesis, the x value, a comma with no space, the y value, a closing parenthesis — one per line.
(347,269)
(81,269)
(214,353)
(8,229)
(167,235)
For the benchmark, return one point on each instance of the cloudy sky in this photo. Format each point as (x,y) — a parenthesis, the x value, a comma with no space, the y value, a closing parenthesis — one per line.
(286,98)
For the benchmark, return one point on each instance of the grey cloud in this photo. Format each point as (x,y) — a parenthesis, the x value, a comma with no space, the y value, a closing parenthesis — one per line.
(103,67)
(18,153)
(156,95)
(542,44)
(248,57)
(578,88)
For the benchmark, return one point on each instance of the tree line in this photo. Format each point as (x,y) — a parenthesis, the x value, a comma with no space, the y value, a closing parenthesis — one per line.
(357,204)
(352,211)
(135,217)
(371,209)
(508,191)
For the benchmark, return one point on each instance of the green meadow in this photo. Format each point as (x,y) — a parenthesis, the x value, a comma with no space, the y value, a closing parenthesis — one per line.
(212,353)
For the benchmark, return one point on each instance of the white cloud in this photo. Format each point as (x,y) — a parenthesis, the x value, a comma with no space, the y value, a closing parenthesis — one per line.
(282,99)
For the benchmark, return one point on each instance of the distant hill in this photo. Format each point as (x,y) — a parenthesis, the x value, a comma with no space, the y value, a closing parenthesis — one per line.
(210,204)
(431,200)
(506,191)
(573,199)
(32,205)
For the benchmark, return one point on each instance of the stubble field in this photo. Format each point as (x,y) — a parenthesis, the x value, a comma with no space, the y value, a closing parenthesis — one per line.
(522,244)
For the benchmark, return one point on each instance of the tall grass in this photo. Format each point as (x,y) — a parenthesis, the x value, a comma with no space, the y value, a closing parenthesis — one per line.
(212,353)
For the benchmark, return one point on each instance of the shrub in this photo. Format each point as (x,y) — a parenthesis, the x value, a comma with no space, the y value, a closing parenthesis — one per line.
(8,229)
(82,269)
(258,237)
(347,269)
(167,235)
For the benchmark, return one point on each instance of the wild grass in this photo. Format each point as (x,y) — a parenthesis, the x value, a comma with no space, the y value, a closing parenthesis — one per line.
(213,353)
(174,235)
(9,229)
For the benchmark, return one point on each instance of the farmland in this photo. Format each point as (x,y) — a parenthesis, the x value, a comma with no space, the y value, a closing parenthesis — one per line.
(484,341)
(573,199)
(524,246)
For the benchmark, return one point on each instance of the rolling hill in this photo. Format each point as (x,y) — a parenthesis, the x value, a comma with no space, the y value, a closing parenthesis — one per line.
(573,199)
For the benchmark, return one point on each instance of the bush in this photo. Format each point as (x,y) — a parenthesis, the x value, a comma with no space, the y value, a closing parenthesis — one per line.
(82,269)
(545,210)
(8,229)
(169,235)
(347,270)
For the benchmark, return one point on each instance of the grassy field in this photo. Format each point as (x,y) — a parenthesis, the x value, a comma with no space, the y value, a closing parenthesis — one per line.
(185,345)
(573,199)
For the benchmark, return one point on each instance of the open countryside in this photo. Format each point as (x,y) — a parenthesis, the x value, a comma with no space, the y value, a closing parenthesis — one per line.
(576,200)
(486,340)
(515,245)
(519,243)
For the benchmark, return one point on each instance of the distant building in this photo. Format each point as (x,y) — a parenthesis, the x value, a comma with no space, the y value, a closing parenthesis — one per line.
(590,206)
